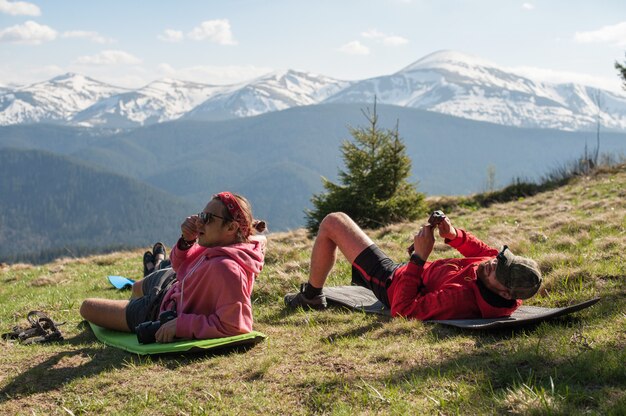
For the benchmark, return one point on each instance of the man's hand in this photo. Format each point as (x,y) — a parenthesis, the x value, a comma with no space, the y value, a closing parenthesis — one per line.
(446,230)
(167,332)
(424,241)
(189,228)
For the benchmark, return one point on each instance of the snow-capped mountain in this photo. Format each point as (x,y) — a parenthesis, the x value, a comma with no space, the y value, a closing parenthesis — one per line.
(273,92)
(55,100)
(461,85)
(445,81)
(159,101)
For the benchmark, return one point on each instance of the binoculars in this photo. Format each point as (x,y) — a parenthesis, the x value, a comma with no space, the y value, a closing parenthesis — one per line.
(146,330)
(436,217)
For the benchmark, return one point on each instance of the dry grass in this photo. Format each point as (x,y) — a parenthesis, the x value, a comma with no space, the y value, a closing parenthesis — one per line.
(338,362)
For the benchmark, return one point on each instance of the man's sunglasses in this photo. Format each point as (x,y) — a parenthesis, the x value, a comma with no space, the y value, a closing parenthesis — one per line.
(207,217)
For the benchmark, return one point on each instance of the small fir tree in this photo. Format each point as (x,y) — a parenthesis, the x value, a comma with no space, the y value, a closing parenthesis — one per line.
(374,190)
(621,70)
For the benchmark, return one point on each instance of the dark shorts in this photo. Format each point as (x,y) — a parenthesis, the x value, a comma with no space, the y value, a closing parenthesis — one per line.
(374,270)
(146,308)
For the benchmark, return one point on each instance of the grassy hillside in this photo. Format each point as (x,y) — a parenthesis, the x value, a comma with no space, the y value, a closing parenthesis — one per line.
(336,362)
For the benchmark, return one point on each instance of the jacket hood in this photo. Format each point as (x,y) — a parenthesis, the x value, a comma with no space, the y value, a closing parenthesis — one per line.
(250,256)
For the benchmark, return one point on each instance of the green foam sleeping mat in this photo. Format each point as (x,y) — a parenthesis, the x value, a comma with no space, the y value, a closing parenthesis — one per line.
(127,341)
(362,299)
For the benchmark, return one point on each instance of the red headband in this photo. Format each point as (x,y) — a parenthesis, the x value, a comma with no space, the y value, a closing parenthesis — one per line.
(235,211)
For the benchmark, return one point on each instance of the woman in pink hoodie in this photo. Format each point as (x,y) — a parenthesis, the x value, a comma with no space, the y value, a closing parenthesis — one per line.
(215,262)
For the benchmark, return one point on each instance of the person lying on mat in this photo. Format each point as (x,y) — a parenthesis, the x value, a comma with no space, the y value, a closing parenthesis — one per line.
(214,264)
(484,284)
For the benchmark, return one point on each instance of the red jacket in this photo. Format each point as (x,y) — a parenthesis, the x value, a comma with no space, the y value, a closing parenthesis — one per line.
(448,288)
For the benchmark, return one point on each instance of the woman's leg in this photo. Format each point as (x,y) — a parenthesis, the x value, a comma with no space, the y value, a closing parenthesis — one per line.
(137,289)
(106,313)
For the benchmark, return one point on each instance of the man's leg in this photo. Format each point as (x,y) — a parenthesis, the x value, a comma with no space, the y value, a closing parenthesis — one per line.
(106,313)
(337,230)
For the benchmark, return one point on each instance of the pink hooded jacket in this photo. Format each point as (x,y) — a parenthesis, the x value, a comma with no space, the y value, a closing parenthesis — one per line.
(212,290)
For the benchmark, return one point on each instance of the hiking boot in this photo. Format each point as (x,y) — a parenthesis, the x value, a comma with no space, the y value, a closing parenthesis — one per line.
(293,300)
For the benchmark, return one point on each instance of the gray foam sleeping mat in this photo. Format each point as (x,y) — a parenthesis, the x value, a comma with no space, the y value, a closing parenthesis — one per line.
(362,299)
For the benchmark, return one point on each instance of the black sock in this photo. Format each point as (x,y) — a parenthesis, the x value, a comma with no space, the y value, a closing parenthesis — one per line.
(311,291)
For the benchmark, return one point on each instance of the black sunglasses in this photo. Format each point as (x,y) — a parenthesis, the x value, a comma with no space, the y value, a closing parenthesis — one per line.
(207,217)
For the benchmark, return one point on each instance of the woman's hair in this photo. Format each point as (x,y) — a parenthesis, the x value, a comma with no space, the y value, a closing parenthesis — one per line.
(254,226)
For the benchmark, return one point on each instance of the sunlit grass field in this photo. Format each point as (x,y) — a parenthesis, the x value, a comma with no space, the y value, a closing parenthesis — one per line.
(345,363)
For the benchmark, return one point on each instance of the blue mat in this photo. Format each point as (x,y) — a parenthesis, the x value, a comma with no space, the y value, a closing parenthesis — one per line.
(121,282)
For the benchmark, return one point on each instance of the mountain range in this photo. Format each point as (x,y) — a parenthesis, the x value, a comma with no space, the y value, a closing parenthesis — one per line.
(446,82)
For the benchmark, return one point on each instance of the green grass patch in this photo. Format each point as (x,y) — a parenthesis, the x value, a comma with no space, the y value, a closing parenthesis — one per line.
(343,363)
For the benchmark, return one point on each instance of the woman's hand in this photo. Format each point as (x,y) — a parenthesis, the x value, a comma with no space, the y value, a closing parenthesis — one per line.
(167,332)
(189,228)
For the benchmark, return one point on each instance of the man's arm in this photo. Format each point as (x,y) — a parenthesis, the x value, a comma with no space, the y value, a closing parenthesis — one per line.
(466,243)
(423,243)
(470,246)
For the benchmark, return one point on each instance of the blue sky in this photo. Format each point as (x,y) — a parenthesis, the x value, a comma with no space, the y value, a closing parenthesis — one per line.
(131,43)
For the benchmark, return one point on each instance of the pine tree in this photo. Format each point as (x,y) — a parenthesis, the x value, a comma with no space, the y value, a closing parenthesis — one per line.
(374,190)
(621,69)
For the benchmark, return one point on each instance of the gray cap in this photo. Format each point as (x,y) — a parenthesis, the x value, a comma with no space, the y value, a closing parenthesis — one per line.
(520,275)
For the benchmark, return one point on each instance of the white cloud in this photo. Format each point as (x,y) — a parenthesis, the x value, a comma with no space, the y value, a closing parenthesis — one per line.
(354,48)
(19,8)
(82,34)
(395,41)
(615,34)
(217,31)
(30,33)
(109,57)
(528,6)
(385,39)
(216,75)
(170,35)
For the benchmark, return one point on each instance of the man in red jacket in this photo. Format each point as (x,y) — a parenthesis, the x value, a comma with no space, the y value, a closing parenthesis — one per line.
(485,283)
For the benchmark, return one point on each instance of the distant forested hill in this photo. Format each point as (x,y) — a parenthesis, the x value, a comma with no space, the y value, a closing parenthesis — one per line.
(51,205)
(277,159)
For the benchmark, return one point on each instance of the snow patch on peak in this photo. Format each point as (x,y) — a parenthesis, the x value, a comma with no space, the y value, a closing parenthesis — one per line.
(275,91)
(66,76)
(55,100)
(445,59)
(162,100)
